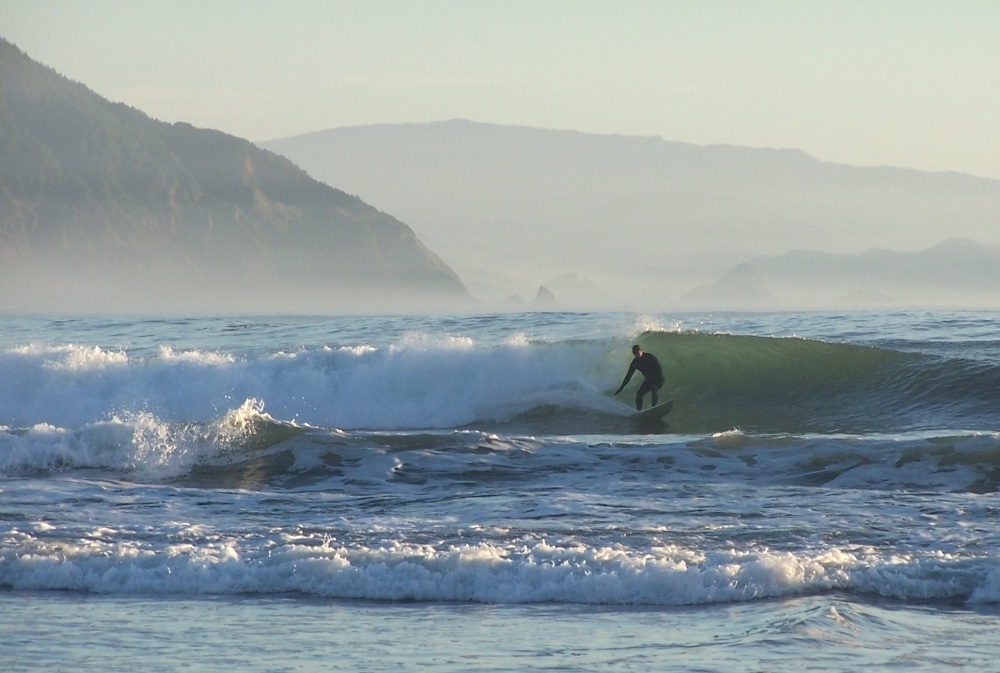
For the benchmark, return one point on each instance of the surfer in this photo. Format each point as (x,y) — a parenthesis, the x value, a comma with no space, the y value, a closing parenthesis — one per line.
(652,374)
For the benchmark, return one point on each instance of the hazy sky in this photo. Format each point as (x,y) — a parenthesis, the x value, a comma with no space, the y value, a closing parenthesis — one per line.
(901,82)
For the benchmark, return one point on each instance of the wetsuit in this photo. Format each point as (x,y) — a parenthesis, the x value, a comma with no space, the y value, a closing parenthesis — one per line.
(653,375)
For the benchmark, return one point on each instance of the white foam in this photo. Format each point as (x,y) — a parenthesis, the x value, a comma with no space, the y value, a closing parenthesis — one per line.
(197,561)
(645,323)
(423,381)
(138,443)
(167,353)
(81,358)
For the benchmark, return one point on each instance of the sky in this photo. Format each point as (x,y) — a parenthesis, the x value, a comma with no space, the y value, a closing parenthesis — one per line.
(911,83)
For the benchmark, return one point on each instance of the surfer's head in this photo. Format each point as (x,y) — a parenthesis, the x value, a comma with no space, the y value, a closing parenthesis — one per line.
(637,350)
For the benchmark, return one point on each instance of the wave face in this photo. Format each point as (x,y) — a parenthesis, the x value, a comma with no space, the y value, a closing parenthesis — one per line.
(796,385)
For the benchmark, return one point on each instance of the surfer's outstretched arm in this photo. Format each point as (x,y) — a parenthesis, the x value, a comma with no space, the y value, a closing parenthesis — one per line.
(628,377)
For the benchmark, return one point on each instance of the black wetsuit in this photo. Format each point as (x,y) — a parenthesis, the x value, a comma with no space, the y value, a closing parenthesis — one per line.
(653,374)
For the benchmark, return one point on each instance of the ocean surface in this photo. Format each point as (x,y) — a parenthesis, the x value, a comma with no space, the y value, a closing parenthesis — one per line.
(463,493)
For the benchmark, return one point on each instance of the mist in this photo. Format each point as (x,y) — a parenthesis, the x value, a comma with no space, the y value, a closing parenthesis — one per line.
(606,221)
(107,209)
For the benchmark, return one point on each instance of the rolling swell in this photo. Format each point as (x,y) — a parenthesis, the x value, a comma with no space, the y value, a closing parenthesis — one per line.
(447,464)
(794,385)
(248,450)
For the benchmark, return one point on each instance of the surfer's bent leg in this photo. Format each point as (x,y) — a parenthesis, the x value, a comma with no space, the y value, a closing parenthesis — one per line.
(656,392)
(646,387)
(651,387)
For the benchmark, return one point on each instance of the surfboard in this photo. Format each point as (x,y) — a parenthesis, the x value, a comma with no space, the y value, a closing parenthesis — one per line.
(653,413)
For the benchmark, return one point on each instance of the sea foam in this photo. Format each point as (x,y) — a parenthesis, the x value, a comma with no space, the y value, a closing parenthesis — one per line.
(198,561)
(422,381)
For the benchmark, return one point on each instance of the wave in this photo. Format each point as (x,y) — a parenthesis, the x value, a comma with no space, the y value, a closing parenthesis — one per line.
(367,463)
(795,385)
(423,382)
(718,382)
(140,445)
(248,449)
(196,559)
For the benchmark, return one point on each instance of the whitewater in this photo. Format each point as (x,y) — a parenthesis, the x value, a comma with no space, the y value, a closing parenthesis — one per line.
(465,493)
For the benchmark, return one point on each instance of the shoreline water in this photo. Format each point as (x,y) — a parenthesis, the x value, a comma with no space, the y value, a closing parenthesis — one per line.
(247,633)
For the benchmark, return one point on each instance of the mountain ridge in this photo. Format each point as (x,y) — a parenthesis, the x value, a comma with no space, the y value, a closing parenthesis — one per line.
(874,278)
(643,218)
(106,208)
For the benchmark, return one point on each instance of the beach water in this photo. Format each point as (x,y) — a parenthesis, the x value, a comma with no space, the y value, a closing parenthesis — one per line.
(463,493)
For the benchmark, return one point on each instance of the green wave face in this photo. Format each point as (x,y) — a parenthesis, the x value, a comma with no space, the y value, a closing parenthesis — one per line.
(793,385)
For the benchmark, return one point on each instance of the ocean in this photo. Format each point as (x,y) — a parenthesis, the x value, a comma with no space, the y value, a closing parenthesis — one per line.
(464,493)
